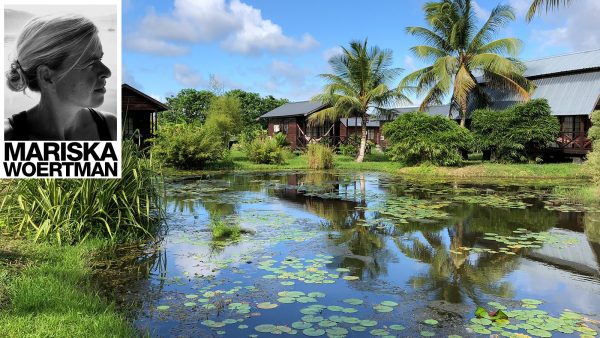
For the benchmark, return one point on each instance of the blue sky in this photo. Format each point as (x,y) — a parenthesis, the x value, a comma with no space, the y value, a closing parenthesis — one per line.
(278,48)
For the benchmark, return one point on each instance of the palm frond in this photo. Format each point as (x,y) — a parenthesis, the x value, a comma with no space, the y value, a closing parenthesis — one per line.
(536,5)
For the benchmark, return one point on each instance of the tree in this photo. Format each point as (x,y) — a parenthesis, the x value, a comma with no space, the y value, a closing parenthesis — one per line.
(188,106)
(359,83)
(458,51)
(253,106)
(223,117)
(536,5)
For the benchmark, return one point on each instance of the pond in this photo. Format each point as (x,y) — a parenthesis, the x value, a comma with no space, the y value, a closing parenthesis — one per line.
(364,254)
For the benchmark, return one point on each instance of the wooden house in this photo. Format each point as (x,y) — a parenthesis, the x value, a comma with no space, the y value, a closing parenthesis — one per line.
(291,119)
(570,83)
(139,113)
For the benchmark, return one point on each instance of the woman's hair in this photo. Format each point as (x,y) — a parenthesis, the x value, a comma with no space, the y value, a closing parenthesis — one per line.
(50,41)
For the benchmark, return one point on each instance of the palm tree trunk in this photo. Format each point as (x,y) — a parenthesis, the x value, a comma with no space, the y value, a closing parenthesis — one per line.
(463,121)
(363,140)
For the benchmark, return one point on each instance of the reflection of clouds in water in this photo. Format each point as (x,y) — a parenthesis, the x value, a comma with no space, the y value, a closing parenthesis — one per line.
(103,16)
(562,288)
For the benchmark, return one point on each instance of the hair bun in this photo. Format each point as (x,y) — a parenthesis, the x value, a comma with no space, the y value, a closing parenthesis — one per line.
(15,78)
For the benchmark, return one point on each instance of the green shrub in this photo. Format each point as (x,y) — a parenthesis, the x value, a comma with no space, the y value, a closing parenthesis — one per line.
(348,149)
(70,210)
(320,156)
(281,140)
(516,134)
(594,156)
(221,230)
(417,138)
(265,150)
(188,145)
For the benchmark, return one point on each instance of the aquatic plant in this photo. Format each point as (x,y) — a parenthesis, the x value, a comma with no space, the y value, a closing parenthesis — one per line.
(222,230)
(70,210)
(320,156)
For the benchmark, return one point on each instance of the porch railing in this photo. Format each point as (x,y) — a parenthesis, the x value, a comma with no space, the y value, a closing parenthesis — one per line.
(573,140)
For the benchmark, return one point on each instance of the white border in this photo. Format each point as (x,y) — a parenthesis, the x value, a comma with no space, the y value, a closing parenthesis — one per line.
(117,73)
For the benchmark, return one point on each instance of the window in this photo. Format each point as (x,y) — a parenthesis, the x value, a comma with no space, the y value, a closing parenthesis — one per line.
(371,134)
(286,126)
(276,128)
(129,126)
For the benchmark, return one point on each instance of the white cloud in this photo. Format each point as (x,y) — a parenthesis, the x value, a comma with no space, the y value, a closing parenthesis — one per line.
(481,13)
(145,44)
(187,76)
(290,81)
(409,63)
(576,26)
(520,6)
(331,52)
(130,80)
(240,28)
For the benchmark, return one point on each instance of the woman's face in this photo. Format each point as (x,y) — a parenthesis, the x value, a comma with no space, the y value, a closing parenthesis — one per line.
(84,85)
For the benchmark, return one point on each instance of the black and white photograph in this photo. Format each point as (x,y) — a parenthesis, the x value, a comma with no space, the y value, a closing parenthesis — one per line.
(59,73)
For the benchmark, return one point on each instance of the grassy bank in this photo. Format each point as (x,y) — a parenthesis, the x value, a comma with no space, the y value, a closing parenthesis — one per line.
(478,169)
(46,291)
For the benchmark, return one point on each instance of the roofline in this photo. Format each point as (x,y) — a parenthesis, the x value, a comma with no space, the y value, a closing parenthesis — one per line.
(155,101)
(564,73)
(323,105)
(561,55)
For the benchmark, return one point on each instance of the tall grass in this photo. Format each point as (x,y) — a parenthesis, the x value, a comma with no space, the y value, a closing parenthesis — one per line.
(320,156)
(71,210)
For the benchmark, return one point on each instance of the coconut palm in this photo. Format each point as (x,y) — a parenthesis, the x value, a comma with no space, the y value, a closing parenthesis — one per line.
(458,51)
(359,84)
(536,5)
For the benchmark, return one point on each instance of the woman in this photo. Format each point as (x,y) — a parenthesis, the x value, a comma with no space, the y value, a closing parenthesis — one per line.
(60,57)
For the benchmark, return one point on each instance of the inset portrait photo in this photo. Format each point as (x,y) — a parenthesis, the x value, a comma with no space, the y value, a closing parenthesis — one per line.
(60,64)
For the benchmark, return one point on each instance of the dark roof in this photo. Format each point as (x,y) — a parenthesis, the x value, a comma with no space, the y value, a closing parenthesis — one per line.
(302,108)
(161,106)
(355,122)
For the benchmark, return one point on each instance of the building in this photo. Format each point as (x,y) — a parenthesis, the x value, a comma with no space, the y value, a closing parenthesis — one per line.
(291,119)
(139,114)
(570,83)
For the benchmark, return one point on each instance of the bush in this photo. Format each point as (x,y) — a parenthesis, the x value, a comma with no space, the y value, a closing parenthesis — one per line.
(188,145)
(71,210)
(417,138)
(320,156)
(348,150)
(265,150)
(594,156)
(281,140)
(516,134)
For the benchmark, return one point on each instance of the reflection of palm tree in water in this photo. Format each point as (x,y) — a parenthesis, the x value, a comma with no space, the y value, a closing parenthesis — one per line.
(452,276)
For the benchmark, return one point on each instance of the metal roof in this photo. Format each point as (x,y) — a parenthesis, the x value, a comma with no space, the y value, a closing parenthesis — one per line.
(569,94)
(355,122)
(295,108)
(580,61)
(431,110)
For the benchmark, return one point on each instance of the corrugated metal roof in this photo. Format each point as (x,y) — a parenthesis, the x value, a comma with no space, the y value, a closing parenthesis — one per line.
(563,63)
(570,94)
(431,110)
(295,109)
(355,122)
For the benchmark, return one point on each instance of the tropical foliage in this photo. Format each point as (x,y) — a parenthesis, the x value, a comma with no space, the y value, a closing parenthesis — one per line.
(359,83)
(189,105)
(418,138)
(223,117)
(516,134)
(266,150)
(320,156)
(594,156)
(70,211)
(459,51)
(188,145)
(536,5)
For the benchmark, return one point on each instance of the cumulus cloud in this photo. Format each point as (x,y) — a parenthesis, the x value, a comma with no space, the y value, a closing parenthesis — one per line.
(577,26)
(146,44)
(187,76)
(331,52)
(481,13)
(290,81)
(239,27)
(130,80)
(520,6)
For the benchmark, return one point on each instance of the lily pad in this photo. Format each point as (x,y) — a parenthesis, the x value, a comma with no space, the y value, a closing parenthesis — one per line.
(313,332)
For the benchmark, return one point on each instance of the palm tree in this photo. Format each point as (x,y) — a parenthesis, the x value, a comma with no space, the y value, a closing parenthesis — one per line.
(359,83)
(536,5)
(458,51)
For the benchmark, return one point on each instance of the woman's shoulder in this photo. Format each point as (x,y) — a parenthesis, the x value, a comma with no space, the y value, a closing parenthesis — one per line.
(15,127)
(111,122)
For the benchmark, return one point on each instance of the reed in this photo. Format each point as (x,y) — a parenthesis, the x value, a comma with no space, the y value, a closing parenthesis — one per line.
(320,156)
(71,210)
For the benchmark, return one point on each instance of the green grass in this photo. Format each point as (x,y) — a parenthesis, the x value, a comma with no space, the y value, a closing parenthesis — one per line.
(497,170)
(45,291)
(221,230)
(580,194)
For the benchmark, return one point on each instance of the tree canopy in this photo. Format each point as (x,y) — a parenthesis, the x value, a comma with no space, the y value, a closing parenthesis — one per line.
(459,52)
